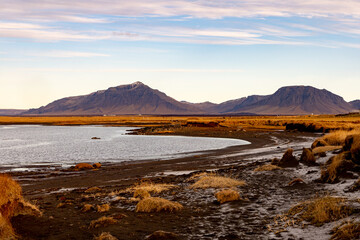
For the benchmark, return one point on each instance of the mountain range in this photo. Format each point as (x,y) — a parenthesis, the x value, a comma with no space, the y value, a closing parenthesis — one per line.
(138,98)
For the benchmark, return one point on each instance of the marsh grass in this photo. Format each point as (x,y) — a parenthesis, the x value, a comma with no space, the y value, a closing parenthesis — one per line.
(105,236)
(156,204)
(227,195)
(337,138)
(346,231)
(102,222)
(323,149)
(150,187)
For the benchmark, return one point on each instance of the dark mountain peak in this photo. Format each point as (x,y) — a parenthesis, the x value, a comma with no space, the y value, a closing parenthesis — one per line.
(355,104)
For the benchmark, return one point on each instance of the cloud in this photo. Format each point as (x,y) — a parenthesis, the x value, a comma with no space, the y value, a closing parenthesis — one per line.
(68,54)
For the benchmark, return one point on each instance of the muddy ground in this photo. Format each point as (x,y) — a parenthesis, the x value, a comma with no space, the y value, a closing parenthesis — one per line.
(265,195)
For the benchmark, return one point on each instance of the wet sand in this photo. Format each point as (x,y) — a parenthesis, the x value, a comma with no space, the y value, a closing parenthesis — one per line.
(267,193)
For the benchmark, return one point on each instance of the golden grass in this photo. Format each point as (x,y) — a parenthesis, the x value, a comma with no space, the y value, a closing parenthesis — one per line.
(102,222)
(227,195)
(322,149)
(155,204)
(267,167)
(347,231)
(321,210)
(97,165)
(6,230)
(337,138)
(26,208)
(105,236)
(236,122)
(10,195)
(295,181)
(83,166)
(150,187)
(336,165)
(214,181)
(141,193)
(93,189)
(87,208)
(103,208)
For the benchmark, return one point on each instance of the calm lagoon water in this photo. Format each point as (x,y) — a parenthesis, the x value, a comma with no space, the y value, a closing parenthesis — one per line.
(63,145)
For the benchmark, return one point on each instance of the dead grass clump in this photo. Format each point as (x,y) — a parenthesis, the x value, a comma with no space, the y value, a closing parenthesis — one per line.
(141,193)
(97,165)
(267,167)
(308,157)
(319,143)
(162,235)
(83,166)
(324,149)
(105,236)
(155,204)
(227,195)
(6,230)
(355,148)
(321,210)
(296,181)
(217,182)
(102,222)
(26,208)
(196,176)
(346,231)
(10,195)
(93,189)
(337,165)
(288,159)
(87,208)
(103,208)
(151,187)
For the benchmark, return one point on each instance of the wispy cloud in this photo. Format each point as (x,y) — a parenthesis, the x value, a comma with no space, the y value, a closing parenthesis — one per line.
(68,54)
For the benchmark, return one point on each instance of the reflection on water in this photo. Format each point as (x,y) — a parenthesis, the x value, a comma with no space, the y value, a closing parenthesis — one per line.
(22,145)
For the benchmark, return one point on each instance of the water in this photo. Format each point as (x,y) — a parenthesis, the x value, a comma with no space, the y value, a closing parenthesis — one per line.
(63,145)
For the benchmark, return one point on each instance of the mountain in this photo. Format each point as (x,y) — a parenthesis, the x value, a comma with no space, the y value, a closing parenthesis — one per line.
(138,98)
(11,112)
(295,100)
(355,104)
(135,98)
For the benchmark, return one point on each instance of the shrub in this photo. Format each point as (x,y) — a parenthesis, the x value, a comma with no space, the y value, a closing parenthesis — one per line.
(346,231)
(217,182)
(102,222)
(155,204)
(267,167)
(227,195)
(105,236)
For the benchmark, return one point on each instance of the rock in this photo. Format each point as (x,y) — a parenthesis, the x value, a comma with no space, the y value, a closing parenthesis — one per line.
(95,138)
(162,235)
(83,166)
(319,143)
(307,157)
(288,159)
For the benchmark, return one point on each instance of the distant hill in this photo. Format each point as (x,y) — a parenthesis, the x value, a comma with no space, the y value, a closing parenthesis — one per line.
(11,112)
(138,98)
(355,104)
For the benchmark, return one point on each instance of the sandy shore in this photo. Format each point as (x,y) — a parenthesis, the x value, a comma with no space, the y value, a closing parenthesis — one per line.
(267,194)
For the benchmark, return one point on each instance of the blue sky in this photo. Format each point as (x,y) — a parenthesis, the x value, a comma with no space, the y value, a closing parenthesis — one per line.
(191,50)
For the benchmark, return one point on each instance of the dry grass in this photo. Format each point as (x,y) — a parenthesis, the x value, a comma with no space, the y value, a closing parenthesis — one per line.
(227,195)
(102,222)
(103,208)
(162,235)
(321,210)
(97,165)
(93,189)
(322,149)
(347,231)
(83,166)
(155,204)
(6,230)
(215,181)
(26,208)
(10,195)
(150,187)
(141,193)
(87,208)
(196,176)
(337,165)
(295,181)
(337,138)
(267,167)
(105,236)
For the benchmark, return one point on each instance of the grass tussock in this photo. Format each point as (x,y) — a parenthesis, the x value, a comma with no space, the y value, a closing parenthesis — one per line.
(102,222)
(103,208)
(215,181)
(337,165)
(141,193)
(155,204)
(83,166)
(87,208)
(346,231)
(337,138)
(6,230)
(150,187)
(323,149)
(321,210)
(93,190)
(27,208)
(105,236)
(227,195)
(10,195)
(267,167)
(296,181)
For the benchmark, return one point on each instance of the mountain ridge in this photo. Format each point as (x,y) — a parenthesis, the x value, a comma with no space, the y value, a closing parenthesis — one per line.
(138,98)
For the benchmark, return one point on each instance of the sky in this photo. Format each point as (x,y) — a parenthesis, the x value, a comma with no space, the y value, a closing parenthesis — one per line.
(193,50)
